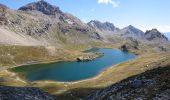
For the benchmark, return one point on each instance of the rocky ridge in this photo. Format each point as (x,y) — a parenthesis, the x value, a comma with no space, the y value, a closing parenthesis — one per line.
(155,35)
(153,84)
(23,93)
(108,30)
(43,7)
(131,31)
(48,24)
(106,26)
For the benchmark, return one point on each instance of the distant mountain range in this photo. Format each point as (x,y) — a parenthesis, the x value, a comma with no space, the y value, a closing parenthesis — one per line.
(128,32)
(167,35)
(40,23)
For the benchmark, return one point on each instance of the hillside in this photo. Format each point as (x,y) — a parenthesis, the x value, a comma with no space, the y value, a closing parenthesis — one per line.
(43,28)
(23,93)
(152,84)
(42,24)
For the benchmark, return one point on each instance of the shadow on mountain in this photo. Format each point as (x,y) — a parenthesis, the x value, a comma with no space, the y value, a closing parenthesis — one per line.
(77,94)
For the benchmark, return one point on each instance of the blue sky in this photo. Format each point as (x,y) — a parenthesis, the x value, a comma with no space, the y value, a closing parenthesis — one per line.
(143,14)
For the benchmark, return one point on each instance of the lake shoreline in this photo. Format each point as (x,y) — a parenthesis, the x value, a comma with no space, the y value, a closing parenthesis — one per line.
(107,77)
(110,54)
(67,83)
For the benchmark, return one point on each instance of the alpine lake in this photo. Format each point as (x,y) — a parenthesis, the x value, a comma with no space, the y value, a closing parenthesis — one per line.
(70,71)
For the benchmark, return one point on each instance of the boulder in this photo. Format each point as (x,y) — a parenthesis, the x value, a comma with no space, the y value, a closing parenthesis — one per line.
(136,83)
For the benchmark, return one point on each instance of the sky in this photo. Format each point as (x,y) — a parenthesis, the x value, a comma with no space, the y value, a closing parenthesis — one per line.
(143,14)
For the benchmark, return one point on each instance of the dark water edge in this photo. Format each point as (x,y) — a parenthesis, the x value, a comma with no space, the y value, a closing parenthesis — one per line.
(69,71)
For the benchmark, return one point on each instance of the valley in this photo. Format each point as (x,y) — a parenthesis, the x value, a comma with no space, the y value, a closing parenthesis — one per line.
(40,46)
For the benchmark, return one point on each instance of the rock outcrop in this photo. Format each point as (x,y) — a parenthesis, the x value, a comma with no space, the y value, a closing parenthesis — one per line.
(23,93)
(3,19)
(89,57)
(133,44)
(41,6)
(155,35)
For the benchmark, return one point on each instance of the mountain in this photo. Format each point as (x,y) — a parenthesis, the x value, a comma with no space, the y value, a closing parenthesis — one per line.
(106,26)
(41,6)
(155,35)
(106,30)
(48,9)
(40,23)
(131,31)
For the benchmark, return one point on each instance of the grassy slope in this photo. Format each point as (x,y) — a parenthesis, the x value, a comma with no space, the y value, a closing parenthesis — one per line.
(11,55)
(72,90)
(155,84)
(109,76)
(17,55)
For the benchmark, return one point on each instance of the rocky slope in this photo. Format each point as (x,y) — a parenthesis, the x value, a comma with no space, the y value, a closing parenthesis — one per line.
(23,93)
(131,31)
(43,7)
(155,35)
(46,24)
(3,19)
(106,26)
(40,23)
(108,30)
(150,85)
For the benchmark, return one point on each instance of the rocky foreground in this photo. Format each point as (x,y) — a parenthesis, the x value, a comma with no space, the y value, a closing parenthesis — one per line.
(151,85)
(23,93)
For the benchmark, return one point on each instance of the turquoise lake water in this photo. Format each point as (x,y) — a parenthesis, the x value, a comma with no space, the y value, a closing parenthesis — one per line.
(73,71)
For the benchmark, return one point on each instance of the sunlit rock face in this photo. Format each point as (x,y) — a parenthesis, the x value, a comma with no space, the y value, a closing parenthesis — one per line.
(41,6)
(3,19)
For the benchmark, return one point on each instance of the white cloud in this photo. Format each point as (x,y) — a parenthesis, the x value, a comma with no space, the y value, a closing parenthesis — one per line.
(113,2)
(161,28)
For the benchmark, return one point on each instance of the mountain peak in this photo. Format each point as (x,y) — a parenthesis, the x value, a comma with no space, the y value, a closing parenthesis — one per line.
(103,26)
(131,31)
(131,27)
(3,6)
(154,30)
(155,34)
(41,6)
